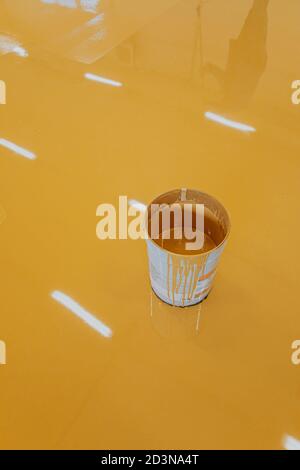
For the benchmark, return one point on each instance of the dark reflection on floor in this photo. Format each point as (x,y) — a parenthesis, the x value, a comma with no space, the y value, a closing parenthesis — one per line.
(247,59)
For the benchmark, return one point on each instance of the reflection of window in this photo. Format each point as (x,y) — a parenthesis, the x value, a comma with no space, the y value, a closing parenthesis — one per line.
(89,5)
(86,5)
(62,3)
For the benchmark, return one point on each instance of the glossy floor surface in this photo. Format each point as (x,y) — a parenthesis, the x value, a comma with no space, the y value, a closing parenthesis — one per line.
(141,374)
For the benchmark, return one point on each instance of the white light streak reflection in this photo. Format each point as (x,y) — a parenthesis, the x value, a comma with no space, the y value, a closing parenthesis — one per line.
(17,149)
(140,206)
(291,443)
(83,314)
(228,122)
(103,80)
(9,45)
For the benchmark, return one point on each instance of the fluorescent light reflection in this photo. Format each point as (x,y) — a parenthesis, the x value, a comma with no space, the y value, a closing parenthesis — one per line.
(89,5)
(291,443)
(228,122)
(20,51)
(103,80)
(9,45)
(83,314)
(17,149)
(137,205)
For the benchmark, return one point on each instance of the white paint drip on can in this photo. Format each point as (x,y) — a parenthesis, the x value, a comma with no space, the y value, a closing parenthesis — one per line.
(181,280)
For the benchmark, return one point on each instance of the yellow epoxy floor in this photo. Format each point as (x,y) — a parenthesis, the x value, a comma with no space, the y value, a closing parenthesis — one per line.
(215,376)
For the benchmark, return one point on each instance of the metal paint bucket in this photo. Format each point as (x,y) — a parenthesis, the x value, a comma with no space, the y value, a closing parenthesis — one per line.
(185,279)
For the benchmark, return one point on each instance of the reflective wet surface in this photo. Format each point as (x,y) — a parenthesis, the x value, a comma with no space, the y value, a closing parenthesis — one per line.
(113,97)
